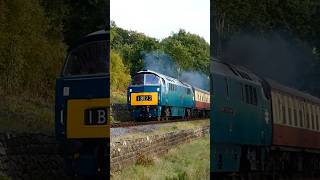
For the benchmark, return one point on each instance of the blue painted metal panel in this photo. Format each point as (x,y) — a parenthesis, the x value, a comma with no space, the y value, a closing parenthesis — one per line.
(82,87)
(226,158)
(178,100)
(79,88)
(235,123)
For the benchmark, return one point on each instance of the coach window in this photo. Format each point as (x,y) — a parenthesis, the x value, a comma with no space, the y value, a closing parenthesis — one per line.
(312,119)
(295,117)
(301,118)
(284,120)
(317,122)
(279,108)
(289,116)
(307,120)
(315,117)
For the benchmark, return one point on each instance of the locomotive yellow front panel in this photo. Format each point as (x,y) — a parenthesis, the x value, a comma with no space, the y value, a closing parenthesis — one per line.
(144,99)
(88,118)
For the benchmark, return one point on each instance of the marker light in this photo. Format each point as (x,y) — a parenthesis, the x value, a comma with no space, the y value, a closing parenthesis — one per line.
(158,89)
(66,91)
(130,90)
(61,117)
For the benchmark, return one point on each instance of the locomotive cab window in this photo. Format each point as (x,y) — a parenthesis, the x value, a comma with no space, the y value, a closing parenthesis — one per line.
(87,59)
(151,79)
(146,79)
(138,79)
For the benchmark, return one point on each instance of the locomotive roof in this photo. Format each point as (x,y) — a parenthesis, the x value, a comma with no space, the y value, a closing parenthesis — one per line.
(226,69)
(292,92)
(95,36)
(171,79)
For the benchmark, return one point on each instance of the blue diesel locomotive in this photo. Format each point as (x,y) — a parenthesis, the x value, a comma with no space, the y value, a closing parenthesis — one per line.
(238,116)
(82,106)
(152,95)
(260,126)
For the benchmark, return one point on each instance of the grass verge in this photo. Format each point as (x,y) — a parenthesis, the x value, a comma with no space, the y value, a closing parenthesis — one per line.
(24,114)
(187,161)
(164,128)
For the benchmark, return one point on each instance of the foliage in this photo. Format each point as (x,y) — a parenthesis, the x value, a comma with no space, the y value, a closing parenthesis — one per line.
(83,17)
(187,161)
(294,18)
(178,53)
(296,21)
(29,58)
(34,36)
(119,75)
(144,160)
(22,113)
(190,51)
(131,45)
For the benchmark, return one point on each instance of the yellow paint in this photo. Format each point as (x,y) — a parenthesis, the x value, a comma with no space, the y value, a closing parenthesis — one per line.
(75,119)
(134,101)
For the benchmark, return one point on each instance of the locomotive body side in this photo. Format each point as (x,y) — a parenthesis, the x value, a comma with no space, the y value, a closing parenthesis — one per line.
(162,97)
(239,118)
(275,130)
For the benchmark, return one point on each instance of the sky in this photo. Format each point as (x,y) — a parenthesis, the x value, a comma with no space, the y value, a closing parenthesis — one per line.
(159,18)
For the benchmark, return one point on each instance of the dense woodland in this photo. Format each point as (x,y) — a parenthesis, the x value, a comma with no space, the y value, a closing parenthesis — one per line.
(133,51)
(279,39)
(34,37)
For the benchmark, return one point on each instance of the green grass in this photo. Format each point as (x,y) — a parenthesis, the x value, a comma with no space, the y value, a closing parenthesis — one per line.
(25,114)
(5,178)
(166,127)
(187,161)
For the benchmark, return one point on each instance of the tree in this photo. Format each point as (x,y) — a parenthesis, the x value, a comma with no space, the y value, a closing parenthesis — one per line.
(119,74)
(189,51)
(29,58)
(84,17)
(131,46)
(296,22)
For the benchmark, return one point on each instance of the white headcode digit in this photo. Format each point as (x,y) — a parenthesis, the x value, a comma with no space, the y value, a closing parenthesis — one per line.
(101,116)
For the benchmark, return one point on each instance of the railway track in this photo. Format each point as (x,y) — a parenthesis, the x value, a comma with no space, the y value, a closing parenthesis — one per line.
(135,123)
